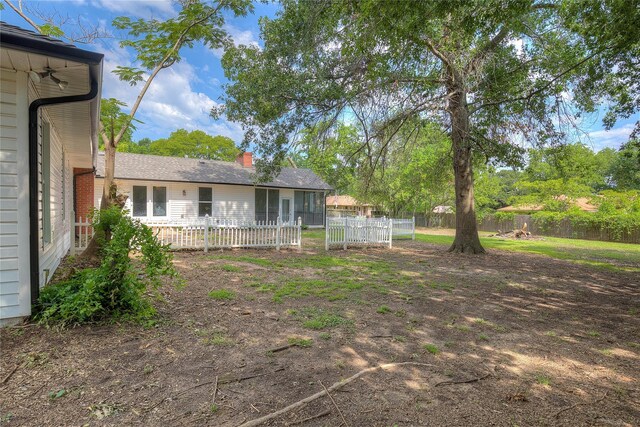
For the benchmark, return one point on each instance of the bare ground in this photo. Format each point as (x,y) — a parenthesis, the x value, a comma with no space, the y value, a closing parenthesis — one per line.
(541,341)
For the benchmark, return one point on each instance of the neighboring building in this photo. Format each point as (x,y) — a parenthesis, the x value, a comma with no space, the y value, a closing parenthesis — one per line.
(583,203)
(182,189)
(49,117)
(340,206)
(443,209)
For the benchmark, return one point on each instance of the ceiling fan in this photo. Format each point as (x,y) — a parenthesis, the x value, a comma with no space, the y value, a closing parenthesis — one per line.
(37,77)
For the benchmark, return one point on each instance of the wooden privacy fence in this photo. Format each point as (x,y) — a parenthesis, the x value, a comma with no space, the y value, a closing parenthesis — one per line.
(563,228)
(345,232)
(210,233)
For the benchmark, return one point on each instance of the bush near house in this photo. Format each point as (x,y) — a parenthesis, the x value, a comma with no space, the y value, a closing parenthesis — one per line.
(132,264)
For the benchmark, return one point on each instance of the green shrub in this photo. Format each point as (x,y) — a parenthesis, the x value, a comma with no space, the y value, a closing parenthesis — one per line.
(132,264)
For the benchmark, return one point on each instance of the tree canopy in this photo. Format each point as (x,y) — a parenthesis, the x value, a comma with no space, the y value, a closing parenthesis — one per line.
(493,73)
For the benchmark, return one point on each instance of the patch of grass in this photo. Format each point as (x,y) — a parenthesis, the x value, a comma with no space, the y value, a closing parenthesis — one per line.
(606,351)
(231,268)
(431,348)
(57,394)
(483,337)
(462,328)
(213,408)
(399,338)
(543,380)
(263,262)
(324,336)
(480,321)
(605,255)
(218,339)
(442,286)
(300,342)
(315,318)
(222,294)
(593,334)
(147,369)
(551,334)
(301,287)
(383,309)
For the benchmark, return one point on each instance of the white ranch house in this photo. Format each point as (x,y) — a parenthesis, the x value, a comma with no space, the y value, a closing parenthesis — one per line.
(49,113)
(180,190)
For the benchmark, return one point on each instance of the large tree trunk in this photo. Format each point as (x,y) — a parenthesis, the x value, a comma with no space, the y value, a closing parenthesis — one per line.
(467,239)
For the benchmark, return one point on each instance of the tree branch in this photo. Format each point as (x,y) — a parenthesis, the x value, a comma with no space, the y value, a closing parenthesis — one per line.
(23,16)
(160,66)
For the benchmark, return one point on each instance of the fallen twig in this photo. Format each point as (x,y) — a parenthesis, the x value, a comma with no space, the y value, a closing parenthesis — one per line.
(215,391)
(339,384)
(313,417)
(580,403)
(248,377)
(334,404)
(472,380)
(6,378)
(284,347)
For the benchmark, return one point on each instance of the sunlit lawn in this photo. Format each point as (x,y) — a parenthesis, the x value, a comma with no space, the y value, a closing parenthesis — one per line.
(610,255)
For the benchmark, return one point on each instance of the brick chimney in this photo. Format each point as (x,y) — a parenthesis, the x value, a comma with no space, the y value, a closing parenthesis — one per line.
(245,159)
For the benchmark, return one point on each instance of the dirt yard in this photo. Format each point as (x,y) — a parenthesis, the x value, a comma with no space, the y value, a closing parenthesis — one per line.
(503,339)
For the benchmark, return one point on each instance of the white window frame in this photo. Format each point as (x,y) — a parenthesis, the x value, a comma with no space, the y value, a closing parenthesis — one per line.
(205,201)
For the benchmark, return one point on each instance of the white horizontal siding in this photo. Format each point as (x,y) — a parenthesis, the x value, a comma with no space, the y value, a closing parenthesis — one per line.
(14,196)
(229,201)
(53,252)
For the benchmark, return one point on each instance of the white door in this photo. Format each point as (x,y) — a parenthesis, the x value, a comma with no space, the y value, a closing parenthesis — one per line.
(285,210)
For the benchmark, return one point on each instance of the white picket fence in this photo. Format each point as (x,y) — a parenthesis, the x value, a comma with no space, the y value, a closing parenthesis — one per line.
(347,231)
(404,227)
(82,232)
(210,233)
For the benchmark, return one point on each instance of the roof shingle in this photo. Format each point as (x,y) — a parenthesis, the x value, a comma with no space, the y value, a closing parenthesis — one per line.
(178,169)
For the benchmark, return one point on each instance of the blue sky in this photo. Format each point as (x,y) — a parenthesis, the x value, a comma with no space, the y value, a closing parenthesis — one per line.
(182,96)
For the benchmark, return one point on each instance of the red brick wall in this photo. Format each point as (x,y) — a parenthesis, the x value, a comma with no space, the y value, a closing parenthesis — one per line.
(245,159)
(84,192)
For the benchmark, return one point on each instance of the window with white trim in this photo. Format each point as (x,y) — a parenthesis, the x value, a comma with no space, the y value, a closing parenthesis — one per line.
(205,201)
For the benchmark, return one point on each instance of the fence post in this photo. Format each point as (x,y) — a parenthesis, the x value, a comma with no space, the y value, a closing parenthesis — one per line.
(278,234)
(206,233)
(390,232)
(299,232)
(413,228)
(327,230)
(346,227)
(72,249)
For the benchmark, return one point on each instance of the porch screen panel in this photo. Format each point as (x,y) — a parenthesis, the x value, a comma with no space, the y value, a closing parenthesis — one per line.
(139,201)
(159,201)
(298,205)
(261,204)
(273,201)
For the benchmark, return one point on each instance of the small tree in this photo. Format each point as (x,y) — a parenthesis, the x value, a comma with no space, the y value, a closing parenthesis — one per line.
(157,45)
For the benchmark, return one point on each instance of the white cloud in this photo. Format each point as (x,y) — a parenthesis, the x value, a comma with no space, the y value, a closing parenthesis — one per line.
(138,8)
(171,102)
(239,37)
(611,138)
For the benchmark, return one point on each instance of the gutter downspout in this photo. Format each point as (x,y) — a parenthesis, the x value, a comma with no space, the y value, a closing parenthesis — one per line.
(34,247)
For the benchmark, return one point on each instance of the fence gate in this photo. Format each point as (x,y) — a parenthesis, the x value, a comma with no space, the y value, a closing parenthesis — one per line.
(358,231)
